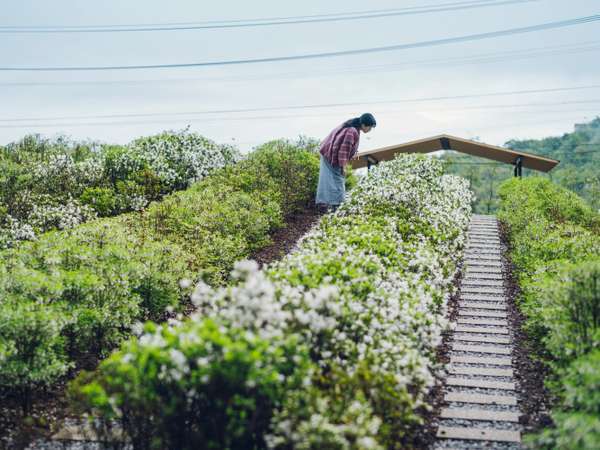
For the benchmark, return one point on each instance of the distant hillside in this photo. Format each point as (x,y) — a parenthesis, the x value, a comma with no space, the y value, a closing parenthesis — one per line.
(579,168)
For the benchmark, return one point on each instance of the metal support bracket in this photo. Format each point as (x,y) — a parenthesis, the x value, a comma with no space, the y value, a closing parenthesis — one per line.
(371,160)
(518,166)
(445,143)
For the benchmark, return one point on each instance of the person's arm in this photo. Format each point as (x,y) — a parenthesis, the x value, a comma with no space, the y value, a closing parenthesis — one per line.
(346,149)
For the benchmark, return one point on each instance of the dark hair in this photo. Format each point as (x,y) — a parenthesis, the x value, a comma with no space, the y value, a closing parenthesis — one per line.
(366,119)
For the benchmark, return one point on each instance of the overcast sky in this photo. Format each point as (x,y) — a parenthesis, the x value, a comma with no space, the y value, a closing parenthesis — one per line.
(70,102)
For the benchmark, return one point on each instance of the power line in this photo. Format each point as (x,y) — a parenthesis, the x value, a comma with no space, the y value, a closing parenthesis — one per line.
(471,59)
(335,105)
(214,119)
(435,42)
(294,20)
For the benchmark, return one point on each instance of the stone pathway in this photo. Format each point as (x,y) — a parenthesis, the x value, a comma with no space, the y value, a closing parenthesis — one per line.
(480,392)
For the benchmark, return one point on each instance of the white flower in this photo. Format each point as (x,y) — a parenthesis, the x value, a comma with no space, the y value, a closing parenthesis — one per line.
(185,283)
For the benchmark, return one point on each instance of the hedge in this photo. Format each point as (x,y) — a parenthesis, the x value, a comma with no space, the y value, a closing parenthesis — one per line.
(555,242)
(47,185)
(362,299)
(74,295)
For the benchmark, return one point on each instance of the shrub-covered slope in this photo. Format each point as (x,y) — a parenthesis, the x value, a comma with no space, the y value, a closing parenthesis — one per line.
(74,294)
(555,245)
(48,185)
(333,347)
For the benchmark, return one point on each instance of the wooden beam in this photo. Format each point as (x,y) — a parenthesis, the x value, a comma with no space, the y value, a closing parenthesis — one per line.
(447,142)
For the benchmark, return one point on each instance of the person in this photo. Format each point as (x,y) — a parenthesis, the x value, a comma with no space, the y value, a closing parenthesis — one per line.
(338,148)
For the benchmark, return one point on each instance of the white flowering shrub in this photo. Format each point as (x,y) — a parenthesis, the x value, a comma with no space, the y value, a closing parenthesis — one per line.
(84,288)
(218,385)
(56,185)
(365,291)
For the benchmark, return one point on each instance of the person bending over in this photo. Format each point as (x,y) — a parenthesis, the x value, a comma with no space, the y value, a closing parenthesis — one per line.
(338,148)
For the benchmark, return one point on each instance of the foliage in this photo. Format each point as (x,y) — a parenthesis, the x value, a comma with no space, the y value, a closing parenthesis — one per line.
(45,185)
(555,243)
(578,171)
(295,169)
(215,387)
(32,347)
(577,428)
(366,291)
(93,282)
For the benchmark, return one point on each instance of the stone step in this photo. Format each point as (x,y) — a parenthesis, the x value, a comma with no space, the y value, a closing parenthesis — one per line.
(485,243)
(476,313)
(481,339)
(483,399)
(483,255)
(474,266)
(472,261)
(487,275)
(475,229)
(500,306)
(472,277)
(476,281)
(483,298)
(482,349)
(482,321)
(483,232)
(485,330)
(488,240)
(479,414)
(484,248)
(490,273)
(479,263)
(482,384)
(483,290)
(479,434)
(492,361)
(485,371)
(483,258)
(494,255)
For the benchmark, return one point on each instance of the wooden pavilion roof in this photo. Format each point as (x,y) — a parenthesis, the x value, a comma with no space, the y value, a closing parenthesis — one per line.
(447,142)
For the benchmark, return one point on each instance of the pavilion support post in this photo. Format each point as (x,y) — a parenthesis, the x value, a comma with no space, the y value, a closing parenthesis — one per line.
(371,160)
(519,166)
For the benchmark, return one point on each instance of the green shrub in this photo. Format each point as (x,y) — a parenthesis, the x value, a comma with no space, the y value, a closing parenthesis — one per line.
(45,184)
(108,274)
(555,243)
(105,278)
(364,291)
(102,200)
(570,310)
(295,170)
(578,423)
(202,387)
(32,347)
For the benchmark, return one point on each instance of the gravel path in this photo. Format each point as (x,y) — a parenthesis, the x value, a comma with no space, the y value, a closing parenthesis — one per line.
(481,407)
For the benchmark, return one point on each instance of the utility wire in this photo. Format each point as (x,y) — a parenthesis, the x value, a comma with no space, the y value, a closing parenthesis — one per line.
(351,13)
(430,43)
(471,59)
(203,119)
(335,105)
(425,9)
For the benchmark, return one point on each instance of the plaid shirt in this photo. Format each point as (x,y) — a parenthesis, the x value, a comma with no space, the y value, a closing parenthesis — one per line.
(340,145)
